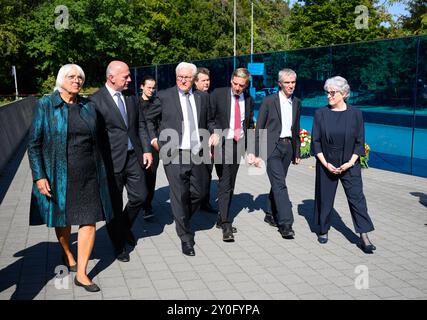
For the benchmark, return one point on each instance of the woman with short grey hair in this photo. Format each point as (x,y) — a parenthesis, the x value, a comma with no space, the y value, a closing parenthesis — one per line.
(69,178)
(338,141)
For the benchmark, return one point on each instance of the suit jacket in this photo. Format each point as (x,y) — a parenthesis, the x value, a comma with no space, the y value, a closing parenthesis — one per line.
(114,131)
(354,142)
(220,110)
(166,110)
(270,118)
(47,152)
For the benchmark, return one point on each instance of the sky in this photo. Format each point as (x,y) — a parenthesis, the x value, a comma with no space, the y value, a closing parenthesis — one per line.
(397,9)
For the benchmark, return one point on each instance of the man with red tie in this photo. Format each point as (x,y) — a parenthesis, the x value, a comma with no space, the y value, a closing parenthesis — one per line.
(231,109)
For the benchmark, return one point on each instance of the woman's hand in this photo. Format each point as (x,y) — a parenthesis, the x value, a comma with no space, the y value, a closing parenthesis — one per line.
(44,187)
(345,166)
(331,168)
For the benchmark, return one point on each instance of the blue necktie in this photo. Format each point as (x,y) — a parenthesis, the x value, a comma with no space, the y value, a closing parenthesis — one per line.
(122,109)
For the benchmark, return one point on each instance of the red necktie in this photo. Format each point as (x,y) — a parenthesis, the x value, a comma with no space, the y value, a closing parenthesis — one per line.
(237,123)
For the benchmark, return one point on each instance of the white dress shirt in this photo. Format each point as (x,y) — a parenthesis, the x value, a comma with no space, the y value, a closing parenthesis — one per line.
(286,113)
(115,98)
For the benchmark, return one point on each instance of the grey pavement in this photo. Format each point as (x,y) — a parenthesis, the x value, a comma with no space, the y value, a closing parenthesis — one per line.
(259,265)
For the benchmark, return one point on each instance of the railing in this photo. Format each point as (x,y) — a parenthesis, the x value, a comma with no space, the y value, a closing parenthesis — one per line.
(15,120)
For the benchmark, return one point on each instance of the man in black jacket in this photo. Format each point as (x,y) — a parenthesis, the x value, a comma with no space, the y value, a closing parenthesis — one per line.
(148,85)
(126,149)
(279,123)
(232,113)
(183,117)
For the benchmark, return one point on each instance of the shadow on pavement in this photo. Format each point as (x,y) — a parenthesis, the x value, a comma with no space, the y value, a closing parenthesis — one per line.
(306,209)
(422,197)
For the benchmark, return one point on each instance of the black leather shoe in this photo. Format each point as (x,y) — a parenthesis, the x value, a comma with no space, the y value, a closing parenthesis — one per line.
(286,232)
(270,220)
(188,249)
(70,268)
(208,208)
(227,233)
(322,238)
(88,287)
(218,225)
(123,256)
(130,238)
(367,248)
(148,213)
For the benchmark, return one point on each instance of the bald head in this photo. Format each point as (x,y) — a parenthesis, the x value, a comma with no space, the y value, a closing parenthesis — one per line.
(118,75)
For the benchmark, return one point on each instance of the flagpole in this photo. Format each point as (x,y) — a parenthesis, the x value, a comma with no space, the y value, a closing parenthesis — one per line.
(16,83)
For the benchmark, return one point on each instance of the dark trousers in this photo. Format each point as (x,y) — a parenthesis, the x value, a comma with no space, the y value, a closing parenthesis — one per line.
(186,183)
(277,169)
(151,175)
(227,173)
(133,178)
(326,188)
(206,199)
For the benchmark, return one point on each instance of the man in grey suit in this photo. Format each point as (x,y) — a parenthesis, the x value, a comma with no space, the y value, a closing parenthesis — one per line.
(126,149)
(279,118)
(183,117)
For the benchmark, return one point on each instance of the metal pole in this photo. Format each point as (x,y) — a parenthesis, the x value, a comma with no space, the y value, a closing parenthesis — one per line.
(234,45)
(16,82)
(252,29)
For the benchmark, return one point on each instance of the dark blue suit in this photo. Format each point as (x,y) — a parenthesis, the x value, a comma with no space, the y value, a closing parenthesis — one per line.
(351,179)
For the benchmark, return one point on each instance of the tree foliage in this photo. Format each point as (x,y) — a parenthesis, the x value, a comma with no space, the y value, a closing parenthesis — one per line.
(144,32)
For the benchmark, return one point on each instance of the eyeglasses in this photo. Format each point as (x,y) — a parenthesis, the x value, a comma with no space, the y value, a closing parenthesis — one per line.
(181,78)
(332,93)
(71,78)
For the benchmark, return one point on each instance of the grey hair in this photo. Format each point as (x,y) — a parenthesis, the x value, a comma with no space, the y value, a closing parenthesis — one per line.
(186,65)
(242,73)
(286,72)
(338,83)
(64,71)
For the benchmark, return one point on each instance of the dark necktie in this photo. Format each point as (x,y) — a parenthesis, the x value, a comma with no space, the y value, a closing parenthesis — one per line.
(122,110)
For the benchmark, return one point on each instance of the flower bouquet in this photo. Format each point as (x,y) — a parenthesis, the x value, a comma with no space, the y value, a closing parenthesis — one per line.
(305,139)
(364,159)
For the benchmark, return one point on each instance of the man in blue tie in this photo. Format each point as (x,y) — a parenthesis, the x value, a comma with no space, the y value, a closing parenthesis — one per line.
(126,150)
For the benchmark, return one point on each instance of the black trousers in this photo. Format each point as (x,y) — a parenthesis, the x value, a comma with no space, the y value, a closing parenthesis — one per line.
(133,179)
(326,188)
(186,183)
(277,170)
(151,175)
(232,152)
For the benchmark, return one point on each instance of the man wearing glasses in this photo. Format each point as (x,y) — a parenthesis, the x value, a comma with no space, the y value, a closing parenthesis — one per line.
(232,112)
(183,117)
(279,115)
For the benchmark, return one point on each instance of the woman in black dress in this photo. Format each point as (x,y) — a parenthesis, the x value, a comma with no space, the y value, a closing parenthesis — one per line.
(70,185)
(338,140)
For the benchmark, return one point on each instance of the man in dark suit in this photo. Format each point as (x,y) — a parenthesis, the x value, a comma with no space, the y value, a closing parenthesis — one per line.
(202,83)
(126,150)
(232,112)
(148,85)
(279,123)
(183,117)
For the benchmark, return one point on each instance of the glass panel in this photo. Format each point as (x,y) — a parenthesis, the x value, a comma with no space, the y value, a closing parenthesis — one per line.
(381,75)
(419,161)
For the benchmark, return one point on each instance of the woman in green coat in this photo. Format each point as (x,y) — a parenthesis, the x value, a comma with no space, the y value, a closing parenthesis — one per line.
(70,184)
